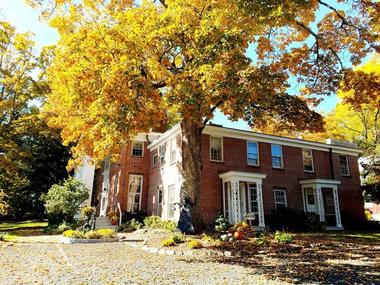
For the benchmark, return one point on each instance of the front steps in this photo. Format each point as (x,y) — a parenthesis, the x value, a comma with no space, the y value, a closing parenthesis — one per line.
(104,223)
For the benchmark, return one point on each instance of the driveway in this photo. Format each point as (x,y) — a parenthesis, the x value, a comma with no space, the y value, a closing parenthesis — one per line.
(113,263)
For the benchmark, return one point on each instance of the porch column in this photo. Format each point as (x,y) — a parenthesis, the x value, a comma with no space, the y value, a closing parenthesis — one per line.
(321,207)
(337,209)
(235,209)
(260,204)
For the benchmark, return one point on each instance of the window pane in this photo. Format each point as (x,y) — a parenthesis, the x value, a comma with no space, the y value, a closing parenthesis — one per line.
(344,164)
(276,162)
(252,153)
(307,159)
(137,149)
(276,150)
(216,148)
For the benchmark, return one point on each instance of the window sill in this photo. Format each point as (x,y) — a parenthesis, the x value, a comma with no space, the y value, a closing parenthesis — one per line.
(278,168)
(252,165)
(137,156)
(308,171)
(346,176)
(217,161)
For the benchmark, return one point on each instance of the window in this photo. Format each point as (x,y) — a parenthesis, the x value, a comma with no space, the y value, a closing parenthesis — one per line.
(138,149)
(134,193)
(343,159)
(280,198)
(307,156)
(277,161)
(154,159)
(253,153)
(216,151)
(162,154)
(171,205)
(173,151)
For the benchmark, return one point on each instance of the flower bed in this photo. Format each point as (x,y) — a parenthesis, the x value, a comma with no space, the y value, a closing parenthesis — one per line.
(100,235)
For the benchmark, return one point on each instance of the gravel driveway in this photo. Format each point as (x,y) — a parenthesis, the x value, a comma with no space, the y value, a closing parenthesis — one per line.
(113,263)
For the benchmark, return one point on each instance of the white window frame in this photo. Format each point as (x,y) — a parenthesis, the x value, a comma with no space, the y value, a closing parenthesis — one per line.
(312,160)
(162,154)
(154,155)
(282,156)
(173,149)
(141,190)
(347,164)
(258,153)
(142,149)
(275,201)
(221,149)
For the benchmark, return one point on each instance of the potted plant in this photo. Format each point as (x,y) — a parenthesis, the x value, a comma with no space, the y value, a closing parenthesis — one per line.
(114,220)
(111,213)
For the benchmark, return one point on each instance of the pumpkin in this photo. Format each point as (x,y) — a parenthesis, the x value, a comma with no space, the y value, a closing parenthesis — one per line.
(238,235)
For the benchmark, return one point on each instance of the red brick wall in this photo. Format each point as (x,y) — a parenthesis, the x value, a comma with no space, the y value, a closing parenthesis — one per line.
(235,158)
(126,165)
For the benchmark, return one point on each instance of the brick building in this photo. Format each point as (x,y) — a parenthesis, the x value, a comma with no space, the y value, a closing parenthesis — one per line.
(243,172)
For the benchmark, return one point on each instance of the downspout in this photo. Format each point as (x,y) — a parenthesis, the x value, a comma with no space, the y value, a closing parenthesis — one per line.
(332,173)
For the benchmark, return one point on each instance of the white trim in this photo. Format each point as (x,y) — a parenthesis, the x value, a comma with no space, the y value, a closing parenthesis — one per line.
(165,136)
(243,176)
(258,153)
(274,193)
(282,156)
(141,190)
(221,149)
(347,164)
(312,161)
(319,181)
(133,142)
(285,141)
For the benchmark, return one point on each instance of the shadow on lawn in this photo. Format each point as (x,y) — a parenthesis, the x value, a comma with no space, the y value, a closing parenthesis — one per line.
(313,261)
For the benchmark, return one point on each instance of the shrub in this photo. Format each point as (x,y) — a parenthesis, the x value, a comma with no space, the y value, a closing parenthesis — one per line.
(2,236)
(73,234)
(221,223)
(63,200)
(168,242)
(293,220)
(63,227)
(178,238)
(156,222)
(4,207)
(138,216)
(135,224)
(88,211)
(194,244)
(92,235)
(283,237)
(106,233)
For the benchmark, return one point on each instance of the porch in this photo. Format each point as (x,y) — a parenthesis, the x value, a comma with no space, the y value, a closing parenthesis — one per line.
(320,196)
(243,197)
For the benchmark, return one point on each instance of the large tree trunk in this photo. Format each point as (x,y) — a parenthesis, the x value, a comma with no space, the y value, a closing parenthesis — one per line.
(191,170)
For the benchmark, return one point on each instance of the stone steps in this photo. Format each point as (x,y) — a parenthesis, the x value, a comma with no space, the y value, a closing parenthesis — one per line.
(104,223)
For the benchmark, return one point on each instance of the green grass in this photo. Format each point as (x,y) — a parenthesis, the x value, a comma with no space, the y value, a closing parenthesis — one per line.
(12,226)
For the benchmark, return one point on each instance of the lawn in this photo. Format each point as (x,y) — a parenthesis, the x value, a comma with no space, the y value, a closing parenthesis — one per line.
(14,226)
(14,230)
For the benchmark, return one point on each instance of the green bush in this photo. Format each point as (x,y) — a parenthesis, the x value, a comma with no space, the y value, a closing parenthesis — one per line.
(178,238)
(63,200)
(73,234)
(168,242)
(194,244)
(2,236)
(63,227)
(283,237)
(221,223)
(156,222)
(130,226)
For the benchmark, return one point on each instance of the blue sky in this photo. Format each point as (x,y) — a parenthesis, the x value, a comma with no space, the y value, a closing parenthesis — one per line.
(25,19)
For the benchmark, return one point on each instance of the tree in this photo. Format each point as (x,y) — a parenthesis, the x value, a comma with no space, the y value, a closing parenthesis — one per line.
(32,157)
(3,205)
(357,119)
(63,200)
(120,67)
